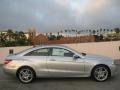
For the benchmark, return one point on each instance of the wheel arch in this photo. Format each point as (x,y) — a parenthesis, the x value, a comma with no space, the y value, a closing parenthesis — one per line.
(109,70)
(25,66)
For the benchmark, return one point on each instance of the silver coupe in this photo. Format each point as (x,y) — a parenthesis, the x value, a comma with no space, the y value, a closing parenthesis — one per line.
(58,61)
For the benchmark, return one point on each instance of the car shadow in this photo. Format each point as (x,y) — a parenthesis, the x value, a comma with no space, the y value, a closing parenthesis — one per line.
(63,79)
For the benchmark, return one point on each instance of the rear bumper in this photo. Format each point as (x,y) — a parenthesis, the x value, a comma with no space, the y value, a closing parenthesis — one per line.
(9,70)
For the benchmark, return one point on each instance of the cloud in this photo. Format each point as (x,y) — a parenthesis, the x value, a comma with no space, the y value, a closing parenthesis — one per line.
(54,15)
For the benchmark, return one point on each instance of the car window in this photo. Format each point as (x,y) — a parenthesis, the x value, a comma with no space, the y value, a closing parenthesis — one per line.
(39,52)
(68,53)
(61,52)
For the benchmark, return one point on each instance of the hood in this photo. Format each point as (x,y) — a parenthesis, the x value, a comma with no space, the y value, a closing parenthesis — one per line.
(93,56)
(97,57)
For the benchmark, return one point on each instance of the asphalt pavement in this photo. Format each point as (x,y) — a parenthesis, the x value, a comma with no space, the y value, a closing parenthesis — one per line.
(11,83)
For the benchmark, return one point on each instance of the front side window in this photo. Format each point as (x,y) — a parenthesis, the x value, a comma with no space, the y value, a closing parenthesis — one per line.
(39,52)
(58,52)
(61,52)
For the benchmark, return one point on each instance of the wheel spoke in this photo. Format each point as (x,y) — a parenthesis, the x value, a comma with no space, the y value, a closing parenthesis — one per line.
(101,73)
(26,75)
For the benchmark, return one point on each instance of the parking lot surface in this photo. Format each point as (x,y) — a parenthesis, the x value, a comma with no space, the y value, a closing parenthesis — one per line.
(11,83)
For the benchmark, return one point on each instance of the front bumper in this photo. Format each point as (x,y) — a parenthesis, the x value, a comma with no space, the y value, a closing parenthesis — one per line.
(113,69)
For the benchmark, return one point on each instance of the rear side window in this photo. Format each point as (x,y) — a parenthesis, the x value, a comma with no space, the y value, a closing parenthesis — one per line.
(39,52)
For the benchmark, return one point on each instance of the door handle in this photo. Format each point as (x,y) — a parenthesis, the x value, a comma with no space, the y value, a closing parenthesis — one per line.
(52,60)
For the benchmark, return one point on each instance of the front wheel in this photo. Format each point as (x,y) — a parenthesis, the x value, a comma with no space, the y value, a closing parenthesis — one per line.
(100,73)
(25,75)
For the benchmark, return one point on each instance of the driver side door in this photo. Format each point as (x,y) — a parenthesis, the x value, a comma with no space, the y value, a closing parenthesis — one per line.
(62,63)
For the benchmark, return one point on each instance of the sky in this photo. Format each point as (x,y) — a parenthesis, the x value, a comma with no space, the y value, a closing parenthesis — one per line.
(57,15)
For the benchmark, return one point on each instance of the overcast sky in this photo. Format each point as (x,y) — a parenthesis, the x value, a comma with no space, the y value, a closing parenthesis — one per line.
(56,15)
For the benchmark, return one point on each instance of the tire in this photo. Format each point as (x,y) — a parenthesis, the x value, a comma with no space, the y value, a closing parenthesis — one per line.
(25,75)
(101,73)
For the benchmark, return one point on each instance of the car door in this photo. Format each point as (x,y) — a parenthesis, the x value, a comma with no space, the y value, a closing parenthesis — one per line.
(38,59)
(62,63)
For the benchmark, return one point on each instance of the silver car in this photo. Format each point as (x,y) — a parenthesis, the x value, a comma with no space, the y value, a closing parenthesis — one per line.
(58,61)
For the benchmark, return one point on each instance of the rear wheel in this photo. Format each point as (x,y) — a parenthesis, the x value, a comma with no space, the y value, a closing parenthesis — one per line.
(101,73)
(25,75)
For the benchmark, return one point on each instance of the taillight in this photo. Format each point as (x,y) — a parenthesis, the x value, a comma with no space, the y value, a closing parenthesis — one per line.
(7,61)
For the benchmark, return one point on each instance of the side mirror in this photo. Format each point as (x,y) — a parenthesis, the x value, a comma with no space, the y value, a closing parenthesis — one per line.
(76,57)
(83,54)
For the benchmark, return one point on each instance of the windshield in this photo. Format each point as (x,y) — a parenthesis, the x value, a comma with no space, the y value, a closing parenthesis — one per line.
(81,53)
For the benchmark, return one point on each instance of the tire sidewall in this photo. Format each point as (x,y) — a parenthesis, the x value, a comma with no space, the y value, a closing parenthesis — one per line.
(18,76)
(93,73)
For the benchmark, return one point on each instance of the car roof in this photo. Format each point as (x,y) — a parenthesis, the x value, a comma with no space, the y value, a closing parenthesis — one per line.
(51,45)
(22,53)
(44,46)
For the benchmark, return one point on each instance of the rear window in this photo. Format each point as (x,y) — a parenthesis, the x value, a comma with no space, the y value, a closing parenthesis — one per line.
(22,51)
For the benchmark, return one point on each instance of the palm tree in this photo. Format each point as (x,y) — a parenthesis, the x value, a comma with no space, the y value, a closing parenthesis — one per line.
(117,30)
(73,30)
(100,30)
(90,32)
(10,34)
(97,32)
(21,39)
(46,34)
(78,33)
(66,31)
(58,33)
(2,37)
(50,33)
(16,35)
(111,30)
(21,35)
(94,32)
(104,30)
(107,31)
